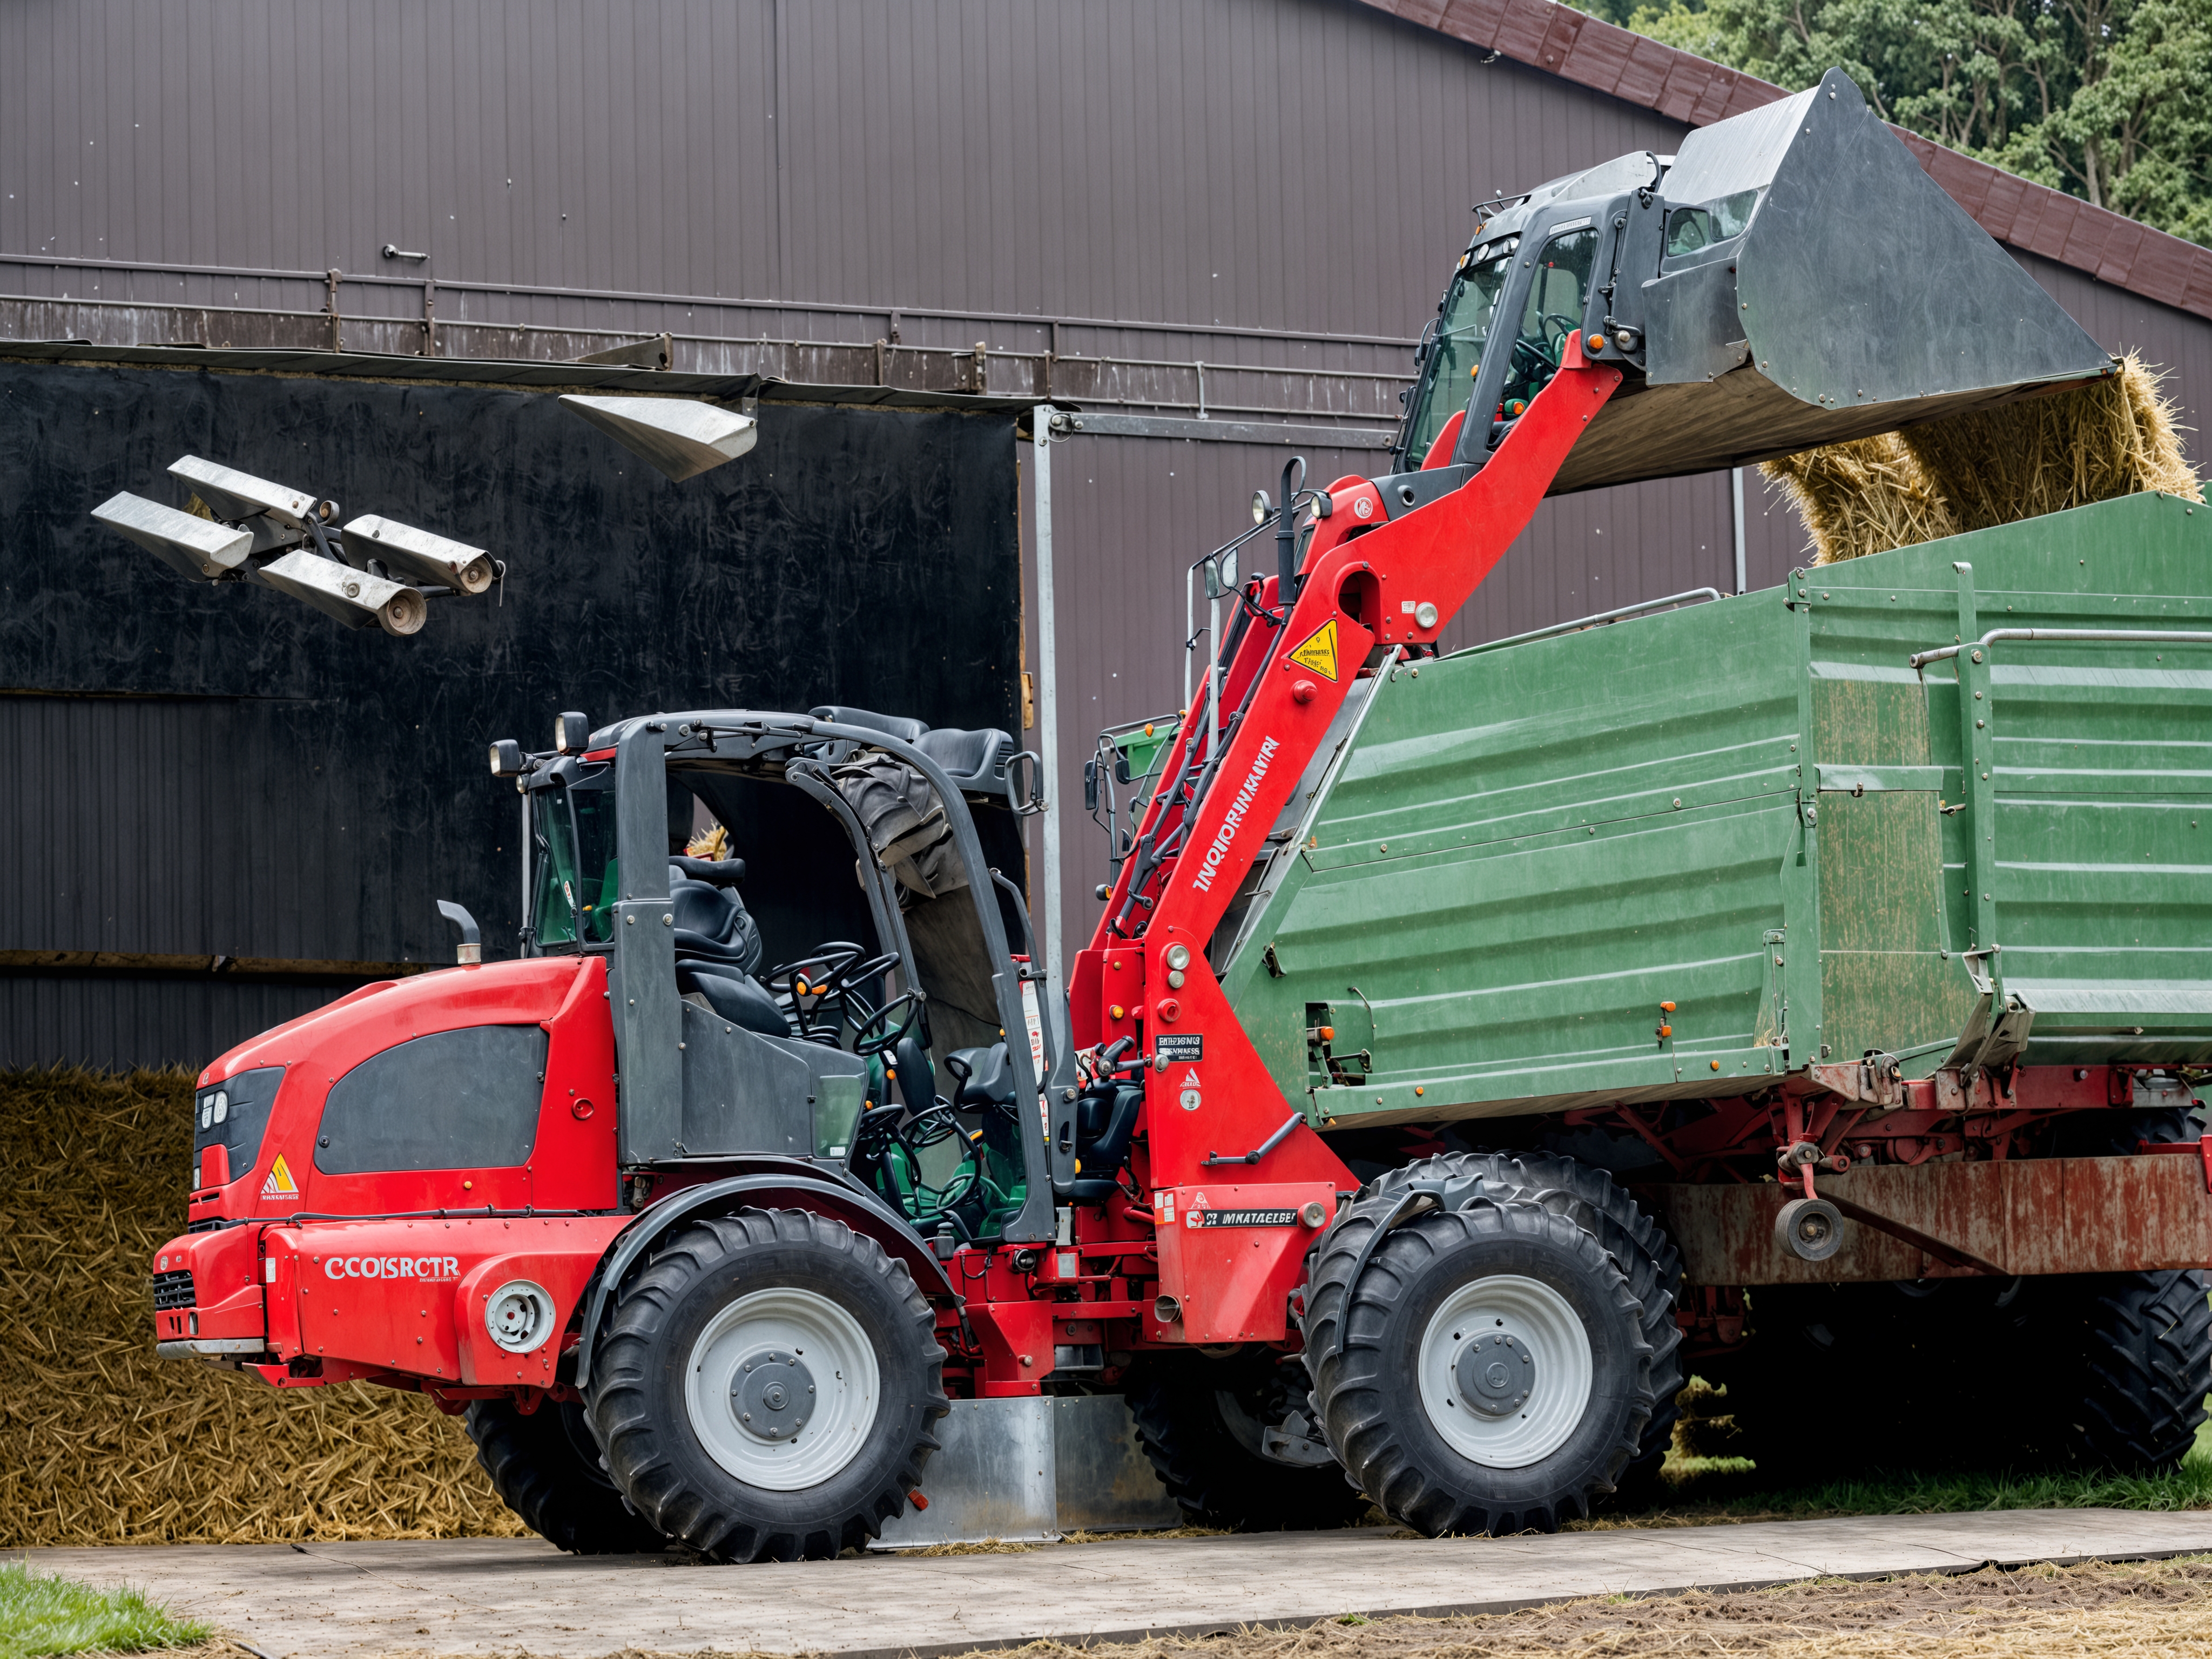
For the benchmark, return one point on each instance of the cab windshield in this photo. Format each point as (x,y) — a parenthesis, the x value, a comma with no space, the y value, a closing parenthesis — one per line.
(1469,309)
(579,877)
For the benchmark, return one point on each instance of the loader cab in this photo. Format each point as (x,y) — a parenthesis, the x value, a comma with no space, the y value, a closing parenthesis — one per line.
(844,986)
(1541,267)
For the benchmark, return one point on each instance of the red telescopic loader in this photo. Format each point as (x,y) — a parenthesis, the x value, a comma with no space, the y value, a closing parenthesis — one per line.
(703,1246)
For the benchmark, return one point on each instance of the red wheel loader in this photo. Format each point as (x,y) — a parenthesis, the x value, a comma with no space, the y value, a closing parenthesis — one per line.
(1809,984)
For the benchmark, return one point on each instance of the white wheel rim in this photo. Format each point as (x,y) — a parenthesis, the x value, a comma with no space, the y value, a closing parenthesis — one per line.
(799,1334)
(1523,1322)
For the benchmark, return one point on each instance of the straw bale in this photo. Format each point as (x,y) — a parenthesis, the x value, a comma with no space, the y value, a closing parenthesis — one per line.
(1861,497)
(102,1442)
(2090,441)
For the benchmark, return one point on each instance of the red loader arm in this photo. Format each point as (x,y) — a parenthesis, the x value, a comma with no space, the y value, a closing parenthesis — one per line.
(1369,582)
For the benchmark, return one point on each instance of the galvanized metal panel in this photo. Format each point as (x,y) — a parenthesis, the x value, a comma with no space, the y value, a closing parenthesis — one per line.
(991,1477)
(1032,1469)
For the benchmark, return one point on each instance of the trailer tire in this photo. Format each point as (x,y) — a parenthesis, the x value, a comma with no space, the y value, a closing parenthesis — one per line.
(833,1329)
(545,1467)
(1203,1459)
(2140,1343)
(2144,1368)
(1390,1353)
(1636,1242)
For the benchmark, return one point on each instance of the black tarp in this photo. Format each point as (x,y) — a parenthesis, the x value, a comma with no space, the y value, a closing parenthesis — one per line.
(220,770)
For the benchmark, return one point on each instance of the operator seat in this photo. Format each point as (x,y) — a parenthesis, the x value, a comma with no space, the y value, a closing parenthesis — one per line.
(718,944)
(975,759)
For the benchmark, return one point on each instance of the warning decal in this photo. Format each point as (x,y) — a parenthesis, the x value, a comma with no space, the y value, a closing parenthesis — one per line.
(280,1183)
(1319,652)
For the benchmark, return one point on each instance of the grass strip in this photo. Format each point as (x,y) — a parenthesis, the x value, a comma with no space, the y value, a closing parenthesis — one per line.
(41,1615)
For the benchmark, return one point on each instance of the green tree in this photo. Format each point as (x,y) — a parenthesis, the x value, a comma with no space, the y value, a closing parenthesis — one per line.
(2109,100)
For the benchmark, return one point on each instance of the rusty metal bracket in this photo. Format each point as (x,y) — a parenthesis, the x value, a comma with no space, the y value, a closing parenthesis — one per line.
(1949,1254)
(1877,1081)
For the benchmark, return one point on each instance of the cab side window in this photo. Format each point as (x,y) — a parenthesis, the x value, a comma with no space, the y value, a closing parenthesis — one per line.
(1558,288)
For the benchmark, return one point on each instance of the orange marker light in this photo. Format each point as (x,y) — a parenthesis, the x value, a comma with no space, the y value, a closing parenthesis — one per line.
(1117,1011)
(1596,342)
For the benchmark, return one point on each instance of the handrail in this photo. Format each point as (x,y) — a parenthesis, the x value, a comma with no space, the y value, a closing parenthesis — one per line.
(2157,635)
(1263,1148)
(1587,621)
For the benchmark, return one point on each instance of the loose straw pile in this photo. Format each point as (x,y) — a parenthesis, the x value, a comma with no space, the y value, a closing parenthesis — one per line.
(102,1442)
(2089,442)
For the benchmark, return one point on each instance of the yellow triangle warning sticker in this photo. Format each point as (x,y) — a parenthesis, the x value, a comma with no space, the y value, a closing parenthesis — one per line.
(280,1183)
(1319,652)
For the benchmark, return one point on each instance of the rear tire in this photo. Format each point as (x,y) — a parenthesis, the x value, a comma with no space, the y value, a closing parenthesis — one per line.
(2134,1350)
(545,1468)
(1200,1422)
(2143,1349)
(1639,1246)
(1488,1372)
(766,1386)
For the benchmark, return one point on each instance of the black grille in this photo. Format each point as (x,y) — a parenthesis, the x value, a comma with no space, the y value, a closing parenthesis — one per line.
(172,1290)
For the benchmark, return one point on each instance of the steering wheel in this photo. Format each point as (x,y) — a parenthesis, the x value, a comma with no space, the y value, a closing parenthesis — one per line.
(1530,365)
(880,1131)
(882,1029)
(826,976)
(1535,363)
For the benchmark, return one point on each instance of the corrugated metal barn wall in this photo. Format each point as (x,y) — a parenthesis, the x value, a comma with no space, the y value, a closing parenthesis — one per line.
(1278,183)
(1302,166)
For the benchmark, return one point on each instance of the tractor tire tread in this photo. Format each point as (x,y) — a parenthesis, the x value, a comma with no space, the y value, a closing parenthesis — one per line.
(1212,1479)
(1638,1245)
(537,1474)
(1344,1324)
(621,1397)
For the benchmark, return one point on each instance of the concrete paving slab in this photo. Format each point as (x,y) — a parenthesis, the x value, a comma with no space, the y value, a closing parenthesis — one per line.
(479,1597)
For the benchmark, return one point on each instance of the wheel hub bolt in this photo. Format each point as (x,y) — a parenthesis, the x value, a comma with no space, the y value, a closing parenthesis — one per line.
(1494,1375)
(768,1392)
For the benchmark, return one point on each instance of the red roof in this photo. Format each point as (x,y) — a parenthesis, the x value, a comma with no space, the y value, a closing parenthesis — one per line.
(1683,87)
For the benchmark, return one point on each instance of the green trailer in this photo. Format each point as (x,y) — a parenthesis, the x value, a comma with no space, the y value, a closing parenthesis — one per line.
(1691,855)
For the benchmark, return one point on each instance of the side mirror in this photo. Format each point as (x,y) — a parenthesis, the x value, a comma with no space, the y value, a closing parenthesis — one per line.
(1025,800)
(1221,577)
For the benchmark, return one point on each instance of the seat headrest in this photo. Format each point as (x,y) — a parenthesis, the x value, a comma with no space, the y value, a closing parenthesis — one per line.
(897,726)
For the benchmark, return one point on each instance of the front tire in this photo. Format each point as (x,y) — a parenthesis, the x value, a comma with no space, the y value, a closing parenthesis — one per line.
(1488,1371)
(767,1386)
(545,1467)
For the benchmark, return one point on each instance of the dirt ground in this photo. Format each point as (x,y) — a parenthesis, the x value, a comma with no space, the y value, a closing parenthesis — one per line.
(2142,1610)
